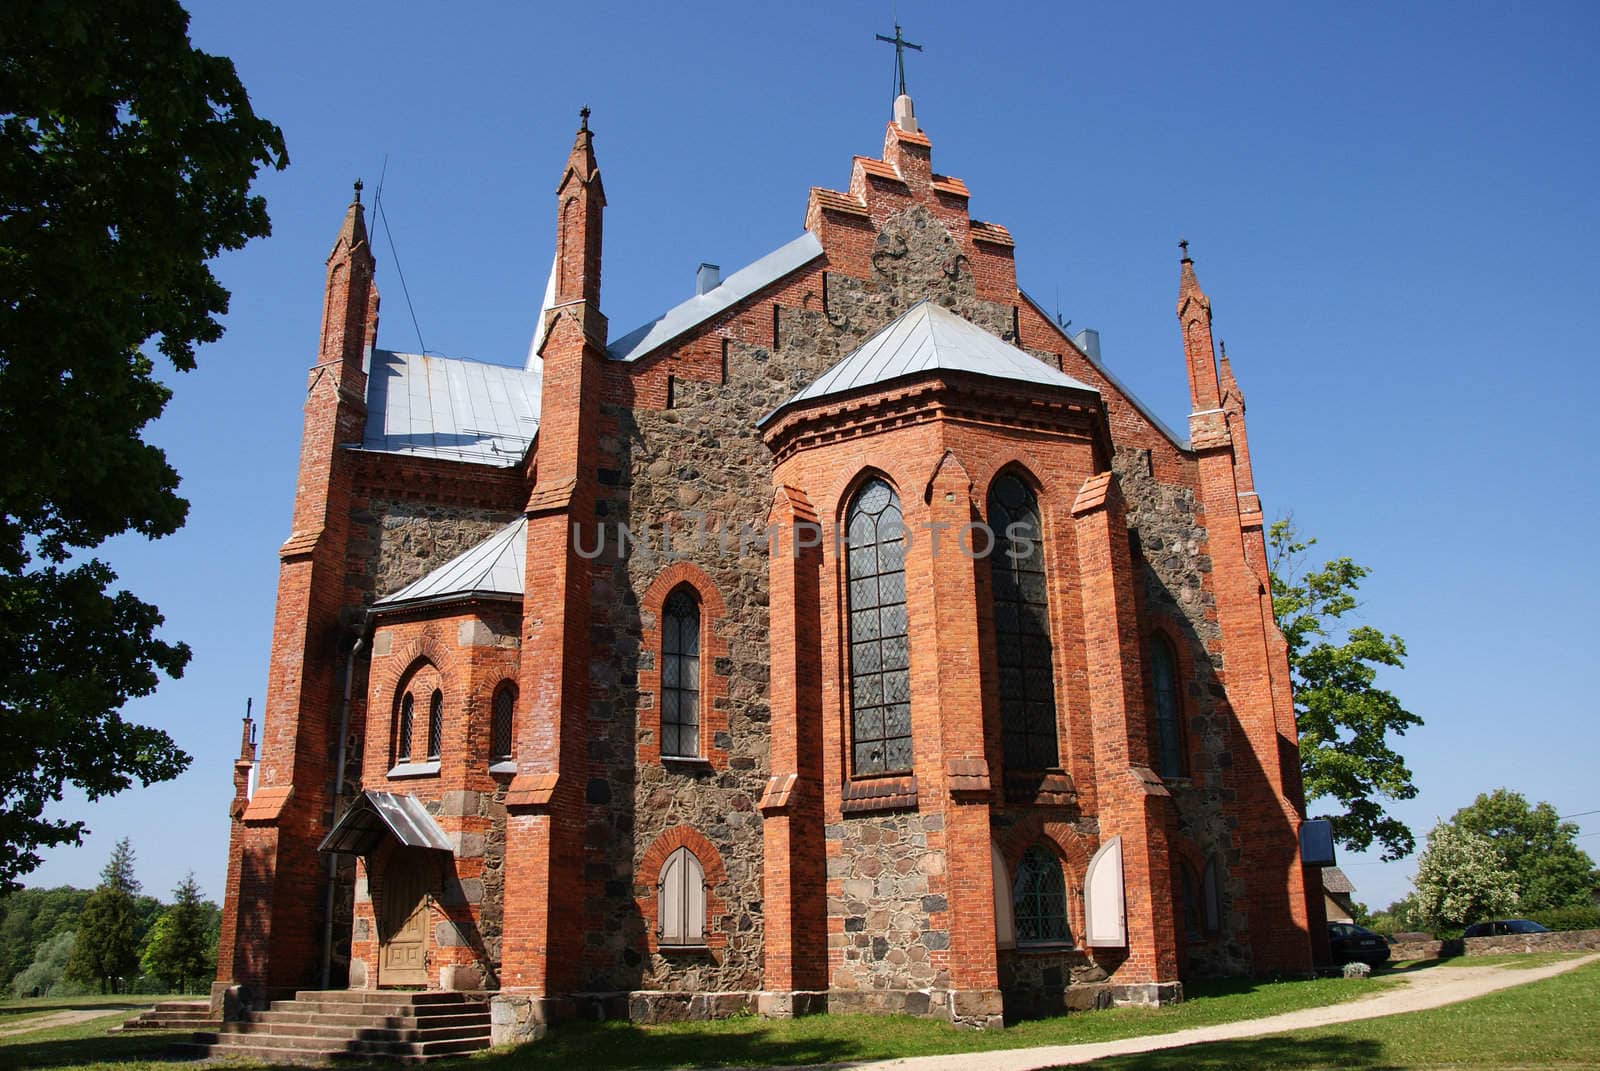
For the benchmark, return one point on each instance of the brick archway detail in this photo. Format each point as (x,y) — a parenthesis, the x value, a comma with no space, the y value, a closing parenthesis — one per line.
(711,866)
(713,648)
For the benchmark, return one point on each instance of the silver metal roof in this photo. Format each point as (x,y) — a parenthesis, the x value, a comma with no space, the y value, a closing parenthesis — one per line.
(375,815)
(493,567)
(700,308)
(926,338)
(452,409)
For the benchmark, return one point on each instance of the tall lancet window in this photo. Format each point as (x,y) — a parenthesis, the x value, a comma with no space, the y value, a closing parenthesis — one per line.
(435,723)
(402,747)
(1022,627)
(680,675)
(1169,729)
(880,664)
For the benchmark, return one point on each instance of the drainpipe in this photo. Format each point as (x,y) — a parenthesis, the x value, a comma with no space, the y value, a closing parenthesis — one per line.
(338,792)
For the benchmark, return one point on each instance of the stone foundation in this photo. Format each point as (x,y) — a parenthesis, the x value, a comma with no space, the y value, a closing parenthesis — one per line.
(1147,994)
(1559,941)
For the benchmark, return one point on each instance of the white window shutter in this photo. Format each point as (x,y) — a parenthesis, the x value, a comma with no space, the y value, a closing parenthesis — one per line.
(670,902)
(1005,927)
(694,900)
(1104,908)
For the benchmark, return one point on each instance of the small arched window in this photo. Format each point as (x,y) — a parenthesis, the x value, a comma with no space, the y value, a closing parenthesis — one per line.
(880,663)
(1169,731)
(435,723)
(1039,899)
(681,901)
(680,675)
(505,703)
(402,747)
(1022,627)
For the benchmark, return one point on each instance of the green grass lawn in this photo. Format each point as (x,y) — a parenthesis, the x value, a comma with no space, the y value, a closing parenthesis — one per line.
(1548,1024)
(1554,1023)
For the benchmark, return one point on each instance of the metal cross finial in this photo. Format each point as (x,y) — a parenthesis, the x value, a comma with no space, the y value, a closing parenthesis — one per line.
(900,45)
(1183,244)
(583,117)
(358,191)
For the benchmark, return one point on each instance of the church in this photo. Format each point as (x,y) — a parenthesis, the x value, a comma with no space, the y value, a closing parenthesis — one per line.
(846,639)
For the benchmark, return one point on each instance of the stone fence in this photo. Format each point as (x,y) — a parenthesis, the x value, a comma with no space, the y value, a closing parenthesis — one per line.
(1560,941)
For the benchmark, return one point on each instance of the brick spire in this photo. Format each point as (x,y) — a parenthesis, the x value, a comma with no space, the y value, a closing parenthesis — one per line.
(1194,314)
(580,200)
(350,302)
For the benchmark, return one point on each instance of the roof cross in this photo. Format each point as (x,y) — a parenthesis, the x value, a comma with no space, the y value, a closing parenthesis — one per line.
(900,45)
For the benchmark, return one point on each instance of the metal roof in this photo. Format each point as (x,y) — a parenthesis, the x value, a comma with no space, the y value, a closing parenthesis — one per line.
(493,567)
(700,308)
(452,409)
(375,815)
(926,338)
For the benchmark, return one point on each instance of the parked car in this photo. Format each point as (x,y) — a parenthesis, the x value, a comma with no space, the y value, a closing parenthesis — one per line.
(1501,927)
(1352,942)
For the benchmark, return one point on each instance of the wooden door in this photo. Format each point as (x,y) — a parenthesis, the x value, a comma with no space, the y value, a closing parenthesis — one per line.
(402,957)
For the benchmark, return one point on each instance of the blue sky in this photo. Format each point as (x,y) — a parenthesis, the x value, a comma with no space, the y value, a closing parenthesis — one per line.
(1392,208)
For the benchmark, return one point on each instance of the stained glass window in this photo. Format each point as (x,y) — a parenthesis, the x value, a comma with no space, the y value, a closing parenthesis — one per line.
(1039,899)
(1169,735)
(680,675)
(402,747)
(880,664)
(505,702)
(435,723)
(1022,627)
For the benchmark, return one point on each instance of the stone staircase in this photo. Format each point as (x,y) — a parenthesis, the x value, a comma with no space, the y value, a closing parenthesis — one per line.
(326,1026)
(175,1015)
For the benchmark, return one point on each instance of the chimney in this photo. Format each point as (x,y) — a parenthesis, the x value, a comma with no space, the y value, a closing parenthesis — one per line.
(707,278)
(1088,340)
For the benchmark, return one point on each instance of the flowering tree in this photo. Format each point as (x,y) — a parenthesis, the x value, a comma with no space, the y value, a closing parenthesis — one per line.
(1462,878)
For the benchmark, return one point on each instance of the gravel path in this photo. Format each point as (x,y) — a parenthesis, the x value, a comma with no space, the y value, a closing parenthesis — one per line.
(66,1018)
(1429,988)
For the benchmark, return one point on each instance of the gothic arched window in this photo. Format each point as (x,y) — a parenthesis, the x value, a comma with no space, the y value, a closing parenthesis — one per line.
(880,665)
(1039,899)
(505,703)
(681,901)
(1169,732)
(680,674)
(1191,906)
(1022,627)
(402,747)
(435,723)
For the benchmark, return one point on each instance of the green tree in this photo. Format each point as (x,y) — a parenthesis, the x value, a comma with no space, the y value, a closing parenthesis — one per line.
(1539,848)
(1462,878)
(1346,722)
(48,968)
(126,158)
(107,945)
(176,950)
(29,918)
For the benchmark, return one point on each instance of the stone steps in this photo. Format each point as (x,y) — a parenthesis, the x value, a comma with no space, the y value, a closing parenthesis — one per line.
(320,1027)
(174,1015)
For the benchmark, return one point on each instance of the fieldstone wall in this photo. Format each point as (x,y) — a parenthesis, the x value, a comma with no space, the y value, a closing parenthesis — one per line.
(393,543)
(1175,564)
(881,872)
(1560,941)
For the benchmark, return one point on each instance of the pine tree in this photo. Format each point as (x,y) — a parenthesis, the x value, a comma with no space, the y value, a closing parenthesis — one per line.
(176,950)
(107,945)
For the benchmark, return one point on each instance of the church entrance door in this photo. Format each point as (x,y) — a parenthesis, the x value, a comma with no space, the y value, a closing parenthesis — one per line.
(403,918)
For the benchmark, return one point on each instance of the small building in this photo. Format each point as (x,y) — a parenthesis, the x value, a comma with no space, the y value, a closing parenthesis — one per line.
(1338,895)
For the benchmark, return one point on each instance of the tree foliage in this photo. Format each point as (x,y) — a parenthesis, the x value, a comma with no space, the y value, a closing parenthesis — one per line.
(1538,848)
(44,975)
(1462,878)
(178,950)
(1346,722)
(31,917)
(107,945)
(126,158)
